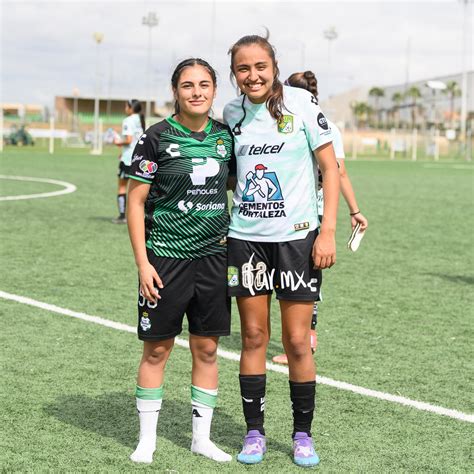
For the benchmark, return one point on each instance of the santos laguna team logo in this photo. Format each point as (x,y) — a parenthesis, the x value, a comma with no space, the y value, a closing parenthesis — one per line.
(145,322)
(262,196)
(220,148)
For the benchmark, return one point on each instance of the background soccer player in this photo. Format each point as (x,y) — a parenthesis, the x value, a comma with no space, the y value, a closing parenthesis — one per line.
(132,127)
(178,221)
(307,80)
(276,244)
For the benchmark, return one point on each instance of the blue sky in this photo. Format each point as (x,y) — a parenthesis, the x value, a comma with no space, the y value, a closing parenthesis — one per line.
(48,47)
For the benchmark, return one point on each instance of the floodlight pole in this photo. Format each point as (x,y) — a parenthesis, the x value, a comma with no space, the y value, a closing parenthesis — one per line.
(151,20)
(98,37)
(330,34)
(466,33)
(75,94)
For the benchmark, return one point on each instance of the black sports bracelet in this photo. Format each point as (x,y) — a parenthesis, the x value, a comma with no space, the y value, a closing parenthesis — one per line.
(352,214)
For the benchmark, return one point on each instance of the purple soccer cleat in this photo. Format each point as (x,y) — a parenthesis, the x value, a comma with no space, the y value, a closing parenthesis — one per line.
(254,448)
(303,450)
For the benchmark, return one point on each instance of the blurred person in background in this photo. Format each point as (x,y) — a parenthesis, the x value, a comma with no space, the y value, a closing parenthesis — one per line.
(307,80)
(132,128)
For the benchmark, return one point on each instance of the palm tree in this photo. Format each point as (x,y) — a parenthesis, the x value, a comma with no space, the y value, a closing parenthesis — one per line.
(397,99)
(361,111)
(377,93)
(413,93)
(453,90)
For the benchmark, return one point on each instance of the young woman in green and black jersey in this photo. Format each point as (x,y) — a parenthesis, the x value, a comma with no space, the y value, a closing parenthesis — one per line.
(178,221)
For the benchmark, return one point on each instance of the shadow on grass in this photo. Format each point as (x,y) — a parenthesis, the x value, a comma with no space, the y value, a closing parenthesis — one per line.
(107,219)
(113,415)
(468,280)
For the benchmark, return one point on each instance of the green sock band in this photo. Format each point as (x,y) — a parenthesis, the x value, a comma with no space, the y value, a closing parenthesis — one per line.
(149,393)
(205,398)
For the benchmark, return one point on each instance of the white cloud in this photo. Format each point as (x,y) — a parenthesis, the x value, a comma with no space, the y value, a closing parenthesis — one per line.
(48,47)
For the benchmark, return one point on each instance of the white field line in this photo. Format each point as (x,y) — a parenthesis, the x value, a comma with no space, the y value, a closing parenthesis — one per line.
(68,188)
(236,357)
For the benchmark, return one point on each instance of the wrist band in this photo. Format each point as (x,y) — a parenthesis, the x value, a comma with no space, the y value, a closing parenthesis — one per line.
(352,214)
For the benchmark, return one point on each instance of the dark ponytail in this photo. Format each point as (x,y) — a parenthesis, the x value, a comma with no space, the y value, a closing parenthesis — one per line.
(136,107)
(304,80)
(274,101)
(189,63)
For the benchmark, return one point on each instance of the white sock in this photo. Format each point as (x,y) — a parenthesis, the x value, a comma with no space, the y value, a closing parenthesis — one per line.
(148,411)
(202,418)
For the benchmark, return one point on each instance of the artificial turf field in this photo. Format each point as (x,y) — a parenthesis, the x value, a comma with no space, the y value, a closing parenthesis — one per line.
(397,318)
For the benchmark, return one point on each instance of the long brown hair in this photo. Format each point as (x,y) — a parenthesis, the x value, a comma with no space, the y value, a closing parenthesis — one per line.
(274,101)
(304,80)
(136,107)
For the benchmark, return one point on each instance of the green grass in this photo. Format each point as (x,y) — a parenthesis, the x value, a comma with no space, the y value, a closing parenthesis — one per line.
(397,317)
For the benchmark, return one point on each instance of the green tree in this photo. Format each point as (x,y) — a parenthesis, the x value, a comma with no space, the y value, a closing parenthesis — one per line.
(361,111)
(453,91)
(414,94)
(397,99)
(377,93)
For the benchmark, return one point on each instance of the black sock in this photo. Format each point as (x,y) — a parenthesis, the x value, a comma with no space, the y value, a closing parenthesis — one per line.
(121,200)
(314,319)
(252,389)
(303,400)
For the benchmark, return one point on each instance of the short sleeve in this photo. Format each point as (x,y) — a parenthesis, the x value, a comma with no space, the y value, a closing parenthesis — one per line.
(144,159)
(337,142)
(127,129)
(317,129)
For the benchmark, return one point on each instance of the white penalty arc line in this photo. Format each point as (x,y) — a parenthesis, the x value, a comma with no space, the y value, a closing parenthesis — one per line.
(68,188)
(236,357)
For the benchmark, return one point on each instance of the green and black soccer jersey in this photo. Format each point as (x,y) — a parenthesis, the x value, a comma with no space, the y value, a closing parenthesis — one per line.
(186,213)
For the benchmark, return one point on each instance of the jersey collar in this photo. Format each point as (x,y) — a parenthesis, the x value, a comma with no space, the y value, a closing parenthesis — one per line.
(186,130)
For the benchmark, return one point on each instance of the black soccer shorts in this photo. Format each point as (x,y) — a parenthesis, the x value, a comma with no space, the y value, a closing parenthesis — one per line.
(259,268)
(196,288)
(123,171)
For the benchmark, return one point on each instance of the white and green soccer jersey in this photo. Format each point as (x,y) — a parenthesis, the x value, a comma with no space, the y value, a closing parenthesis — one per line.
(131,126)
(275,197)
(338,145)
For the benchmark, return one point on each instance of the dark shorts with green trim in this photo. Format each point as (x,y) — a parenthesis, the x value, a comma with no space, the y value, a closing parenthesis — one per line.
(259,268)
(123,171)
(196,288)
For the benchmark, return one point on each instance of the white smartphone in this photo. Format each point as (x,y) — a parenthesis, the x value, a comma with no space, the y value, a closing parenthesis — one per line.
(355,238)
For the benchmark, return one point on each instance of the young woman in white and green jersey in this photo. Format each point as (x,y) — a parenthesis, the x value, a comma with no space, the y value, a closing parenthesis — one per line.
(132,128)
(307,80)
(274,243)
(178,222)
